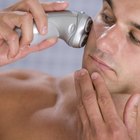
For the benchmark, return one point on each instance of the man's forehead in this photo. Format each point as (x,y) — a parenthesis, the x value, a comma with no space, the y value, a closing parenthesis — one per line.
(126,9)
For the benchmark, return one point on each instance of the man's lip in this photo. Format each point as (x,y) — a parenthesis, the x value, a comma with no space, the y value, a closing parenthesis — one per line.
(100,62)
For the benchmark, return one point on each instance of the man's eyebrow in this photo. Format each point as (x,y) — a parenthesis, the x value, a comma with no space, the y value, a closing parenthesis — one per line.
(136,25)
(109,2)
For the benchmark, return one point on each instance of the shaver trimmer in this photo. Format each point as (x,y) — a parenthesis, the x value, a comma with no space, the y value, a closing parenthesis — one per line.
(72,27)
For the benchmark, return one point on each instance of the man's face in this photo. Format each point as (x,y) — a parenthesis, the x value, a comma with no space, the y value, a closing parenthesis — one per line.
(113,47)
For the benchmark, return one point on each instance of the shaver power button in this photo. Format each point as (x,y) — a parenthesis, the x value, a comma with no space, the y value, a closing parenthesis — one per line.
(71,28)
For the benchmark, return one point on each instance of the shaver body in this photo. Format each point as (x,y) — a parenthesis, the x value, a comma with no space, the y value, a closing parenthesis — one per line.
(72,27)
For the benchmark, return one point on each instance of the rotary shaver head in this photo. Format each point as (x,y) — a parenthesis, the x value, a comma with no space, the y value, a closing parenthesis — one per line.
(73,27)
(82,27)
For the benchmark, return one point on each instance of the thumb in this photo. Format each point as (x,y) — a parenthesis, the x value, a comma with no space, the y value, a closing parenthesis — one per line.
(27,50)
(43,45)
(130,115)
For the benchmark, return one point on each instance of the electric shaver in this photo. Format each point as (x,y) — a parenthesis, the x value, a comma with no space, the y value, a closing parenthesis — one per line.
(70,26)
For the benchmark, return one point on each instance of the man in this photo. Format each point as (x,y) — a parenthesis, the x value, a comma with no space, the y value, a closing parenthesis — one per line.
(98,102)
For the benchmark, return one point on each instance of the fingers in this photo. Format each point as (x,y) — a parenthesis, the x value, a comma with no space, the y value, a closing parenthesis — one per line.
(38,11)
(130,115)
(24,20)
(43,45)
(105,102)
(97,110)
(55,6)
(38,14)
(80,107)
(10,37)
(26,29)
(88,97)
(25,51)
(10,20)
(97,101)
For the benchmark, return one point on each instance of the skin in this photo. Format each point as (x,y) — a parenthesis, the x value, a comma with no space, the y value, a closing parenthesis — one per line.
(98,102)
(113,53)
(21,15)
(115,47)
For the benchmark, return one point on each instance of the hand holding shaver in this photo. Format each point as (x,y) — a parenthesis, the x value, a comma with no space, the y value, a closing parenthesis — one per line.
(72,27)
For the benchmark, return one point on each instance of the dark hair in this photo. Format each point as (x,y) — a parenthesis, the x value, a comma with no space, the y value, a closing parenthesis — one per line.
(109,2)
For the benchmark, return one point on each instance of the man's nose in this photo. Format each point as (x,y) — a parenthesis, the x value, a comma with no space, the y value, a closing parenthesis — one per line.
(110,40)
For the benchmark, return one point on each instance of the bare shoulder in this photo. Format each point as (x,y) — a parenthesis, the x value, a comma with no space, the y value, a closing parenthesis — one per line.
(21,74)
(25,88)
(28,78)
(35,103)
(38,87)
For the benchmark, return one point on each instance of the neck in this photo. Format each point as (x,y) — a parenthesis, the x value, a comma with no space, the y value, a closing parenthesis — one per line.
(66,84)
(120,101)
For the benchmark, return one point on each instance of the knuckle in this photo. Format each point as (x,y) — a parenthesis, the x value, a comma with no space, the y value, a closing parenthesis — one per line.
(102,136)
(88,96)
(41,18)
(12,36)
(116,133)
(115,128)
(103,100)
(27,16)
(29,2)
(28,40)
(85,123)
(80,108)
(4,17)
(56,6)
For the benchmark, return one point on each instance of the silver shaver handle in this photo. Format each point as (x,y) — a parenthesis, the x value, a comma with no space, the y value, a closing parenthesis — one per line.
(72,27)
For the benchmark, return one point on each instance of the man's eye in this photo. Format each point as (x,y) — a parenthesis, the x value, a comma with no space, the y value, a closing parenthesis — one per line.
(134,39)
(107,19)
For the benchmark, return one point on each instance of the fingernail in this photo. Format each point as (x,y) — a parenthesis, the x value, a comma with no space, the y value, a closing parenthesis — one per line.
(60,1)
(80,73)
(44,30)
(64,3)
(94,75)
(137,100)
